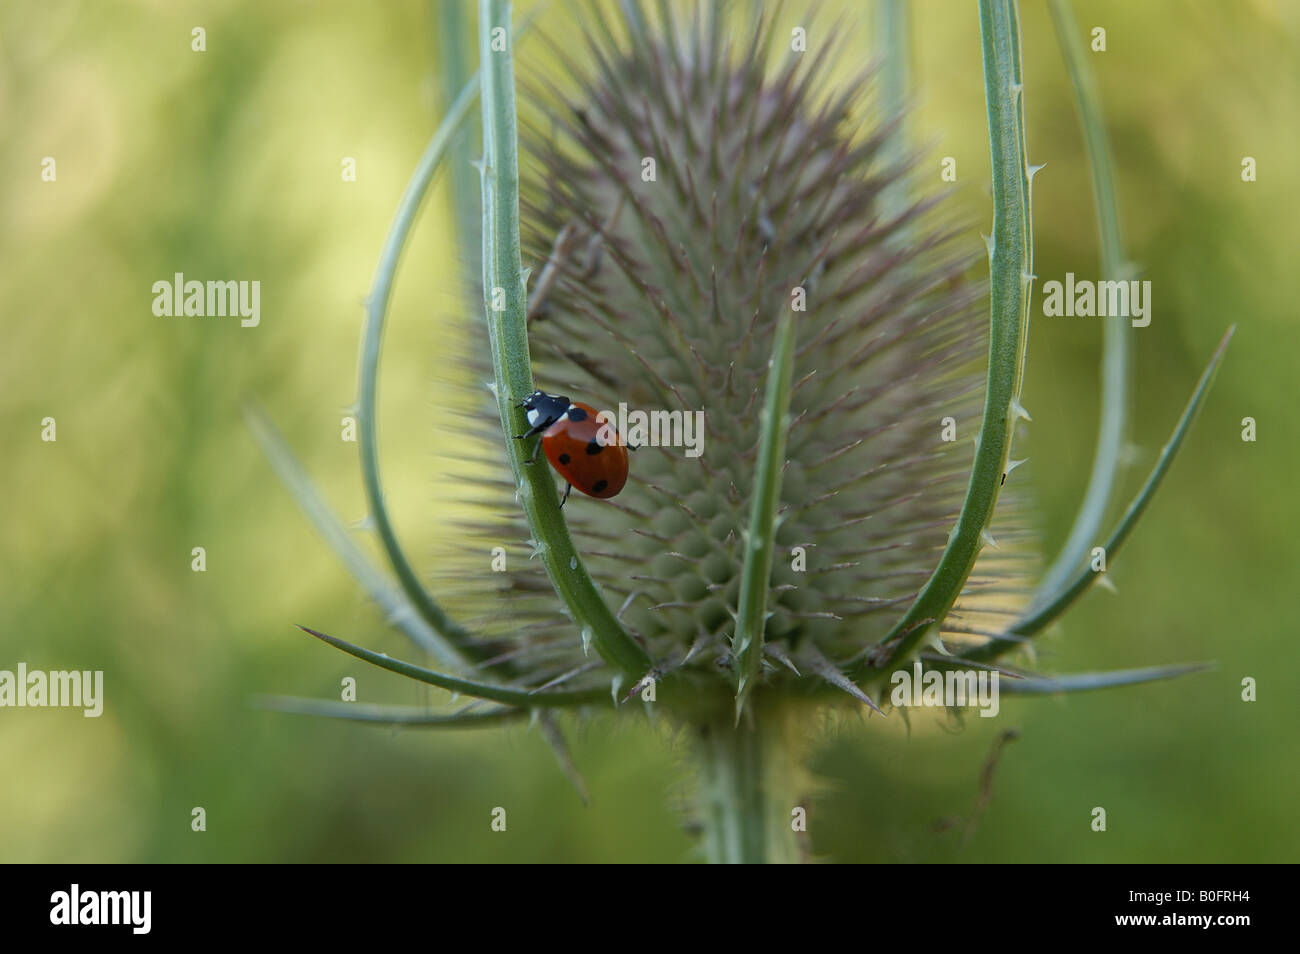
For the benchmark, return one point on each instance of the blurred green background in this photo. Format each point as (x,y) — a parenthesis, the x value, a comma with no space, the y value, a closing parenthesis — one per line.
(226,164)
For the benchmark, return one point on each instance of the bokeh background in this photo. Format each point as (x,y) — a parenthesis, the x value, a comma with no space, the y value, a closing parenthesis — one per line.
(227,164)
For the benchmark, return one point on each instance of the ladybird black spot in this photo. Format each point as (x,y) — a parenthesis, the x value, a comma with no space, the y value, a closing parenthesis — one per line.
(565,458)
(599,486)
(577,414)
(594,447)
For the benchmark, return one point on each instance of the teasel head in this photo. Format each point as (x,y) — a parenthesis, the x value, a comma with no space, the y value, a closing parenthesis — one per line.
(710,228)
(683,195)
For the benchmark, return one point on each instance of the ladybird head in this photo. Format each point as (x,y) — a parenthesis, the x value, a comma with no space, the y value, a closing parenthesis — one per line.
(541,408)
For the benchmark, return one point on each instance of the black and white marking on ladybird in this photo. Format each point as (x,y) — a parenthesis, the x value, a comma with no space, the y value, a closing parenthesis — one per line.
(571,442)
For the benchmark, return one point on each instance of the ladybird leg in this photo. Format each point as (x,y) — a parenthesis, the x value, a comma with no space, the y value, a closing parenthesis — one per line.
(533,431)
(568,488)
(536,450)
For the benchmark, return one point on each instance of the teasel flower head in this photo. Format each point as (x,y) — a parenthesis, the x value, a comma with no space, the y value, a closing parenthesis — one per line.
(724,244)
(688,196)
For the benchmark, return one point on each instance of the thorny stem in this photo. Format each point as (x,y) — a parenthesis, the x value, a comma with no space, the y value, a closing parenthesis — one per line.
(746,799)
(504,289)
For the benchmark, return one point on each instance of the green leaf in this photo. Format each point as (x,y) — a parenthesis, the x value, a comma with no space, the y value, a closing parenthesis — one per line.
(480,690)
(389,715)
(512,367)
(1034,621)
(1010,273)
(756,573)
(1086,681)
(455,69)
(1116,335)
(371,338)
(371,341)
(380,589)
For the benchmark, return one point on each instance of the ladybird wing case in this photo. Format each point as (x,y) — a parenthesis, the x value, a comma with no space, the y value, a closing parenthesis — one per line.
(575,449)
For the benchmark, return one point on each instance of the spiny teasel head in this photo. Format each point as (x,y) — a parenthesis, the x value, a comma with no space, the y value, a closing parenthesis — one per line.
(681,190)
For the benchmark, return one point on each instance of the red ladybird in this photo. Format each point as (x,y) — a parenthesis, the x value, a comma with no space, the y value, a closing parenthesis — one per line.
(572,442)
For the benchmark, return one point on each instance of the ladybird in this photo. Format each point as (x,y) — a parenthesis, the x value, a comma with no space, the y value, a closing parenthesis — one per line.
(571,442)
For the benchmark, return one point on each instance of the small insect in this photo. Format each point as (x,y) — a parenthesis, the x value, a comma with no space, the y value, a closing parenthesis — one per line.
(571,441)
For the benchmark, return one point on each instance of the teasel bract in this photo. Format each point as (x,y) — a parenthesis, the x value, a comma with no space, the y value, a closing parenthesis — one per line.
(713,225)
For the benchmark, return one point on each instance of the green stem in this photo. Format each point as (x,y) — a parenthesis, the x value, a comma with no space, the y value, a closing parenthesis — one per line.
(1010,275)
(746,799)
(503,277)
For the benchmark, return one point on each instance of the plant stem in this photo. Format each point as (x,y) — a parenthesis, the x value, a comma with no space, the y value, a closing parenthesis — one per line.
(746,775)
